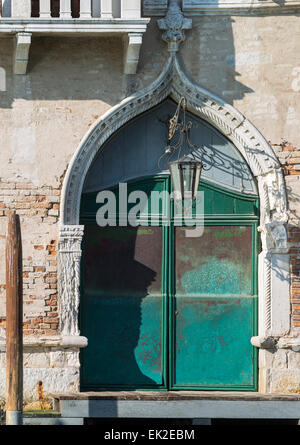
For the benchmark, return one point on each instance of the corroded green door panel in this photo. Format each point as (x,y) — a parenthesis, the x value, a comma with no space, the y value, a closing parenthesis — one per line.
(213,347)
(213,308)
(162,310)
(123,307)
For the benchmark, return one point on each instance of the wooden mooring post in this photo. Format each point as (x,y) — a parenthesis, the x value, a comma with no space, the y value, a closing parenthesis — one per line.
(14,322)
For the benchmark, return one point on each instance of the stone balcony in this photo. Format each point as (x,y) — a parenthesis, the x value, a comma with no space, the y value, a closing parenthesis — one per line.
(23,19)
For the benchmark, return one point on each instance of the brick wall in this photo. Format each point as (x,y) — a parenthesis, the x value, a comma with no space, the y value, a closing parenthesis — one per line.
(38,208)
(294,238)
(289,156)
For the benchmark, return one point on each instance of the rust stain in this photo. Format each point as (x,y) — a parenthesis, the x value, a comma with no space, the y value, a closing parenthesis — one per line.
(40,391)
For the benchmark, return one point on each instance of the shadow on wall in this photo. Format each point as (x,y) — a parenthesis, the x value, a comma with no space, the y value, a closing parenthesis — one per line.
(91,68)
(143,140)
(120,315)
(209,57)
(74,69)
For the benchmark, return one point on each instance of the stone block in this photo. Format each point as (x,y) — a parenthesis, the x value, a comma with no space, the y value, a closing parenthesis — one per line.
(277,359)
(64,359)
(294,360)
(36,359)
(284,381)
(54,380)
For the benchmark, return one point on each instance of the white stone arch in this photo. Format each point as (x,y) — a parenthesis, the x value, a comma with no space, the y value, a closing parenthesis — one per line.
(273,260)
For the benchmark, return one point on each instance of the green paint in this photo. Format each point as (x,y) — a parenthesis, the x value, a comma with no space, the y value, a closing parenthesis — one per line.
(212,342)
(216,277)
(238,231)
(194,331)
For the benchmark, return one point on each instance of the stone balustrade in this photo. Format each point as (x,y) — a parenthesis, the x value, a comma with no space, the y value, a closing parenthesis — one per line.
(22,19)
(67,9)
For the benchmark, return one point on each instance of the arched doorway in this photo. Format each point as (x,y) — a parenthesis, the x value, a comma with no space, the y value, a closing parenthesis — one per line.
(162,310)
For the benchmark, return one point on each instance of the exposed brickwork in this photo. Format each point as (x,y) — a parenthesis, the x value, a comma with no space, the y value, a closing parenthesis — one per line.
(289,157)
(294,239)
(38,208)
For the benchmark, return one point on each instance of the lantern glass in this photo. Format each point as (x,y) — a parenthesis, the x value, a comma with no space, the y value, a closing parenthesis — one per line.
(185,175)
(175,177)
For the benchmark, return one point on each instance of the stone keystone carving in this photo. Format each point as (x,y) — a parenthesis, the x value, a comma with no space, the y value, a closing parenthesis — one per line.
(174,25)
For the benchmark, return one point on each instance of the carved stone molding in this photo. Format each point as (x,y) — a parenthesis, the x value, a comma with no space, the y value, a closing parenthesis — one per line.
(223,7)
(273,294)
(274,287)
(174,25)
(198,7)
(69,247)
(247,139)
(100,132)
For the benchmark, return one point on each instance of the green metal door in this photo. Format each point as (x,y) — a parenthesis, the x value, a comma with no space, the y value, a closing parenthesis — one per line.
(162,310)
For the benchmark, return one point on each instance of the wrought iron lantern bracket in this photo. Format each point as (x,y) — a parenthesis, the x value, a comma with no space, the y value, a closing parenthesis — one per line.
(185,170)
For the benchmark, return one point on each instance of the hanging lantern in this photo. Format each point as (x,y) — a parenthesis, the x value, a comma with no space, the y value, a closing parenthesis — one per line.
(185,175)
(186,170)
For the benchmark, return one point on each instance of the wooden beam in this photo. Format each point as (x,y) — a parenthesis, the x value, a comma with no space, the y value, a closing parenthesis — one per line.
(14,322)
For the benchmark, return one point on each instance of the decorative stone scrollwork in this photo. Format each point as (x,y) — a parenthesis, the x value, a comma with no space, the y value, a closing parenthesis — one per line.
(274,213)
(262,161)
(69,246)
(174,25)
(276,237)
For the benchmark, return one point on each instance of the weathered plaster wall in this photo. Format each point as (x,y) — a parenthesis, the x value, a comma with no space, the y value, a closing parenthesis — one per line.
(58,370)
(252,62)
(70,83)
(44,115)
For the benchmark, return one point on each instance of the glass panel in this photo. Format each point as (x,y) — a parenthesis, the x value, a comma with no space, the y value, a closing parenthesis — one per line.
(122,306)
(213,308)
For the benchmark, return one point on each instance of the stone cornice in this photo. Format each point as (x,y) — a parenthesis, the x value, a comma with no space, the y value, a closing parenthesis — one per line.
(190,8)
(69,26)
(239,7)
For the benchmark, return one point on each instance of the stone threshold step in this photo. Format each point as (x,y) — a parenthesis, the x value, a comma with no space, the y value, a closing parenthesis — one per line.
(52,420)
(175,395)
